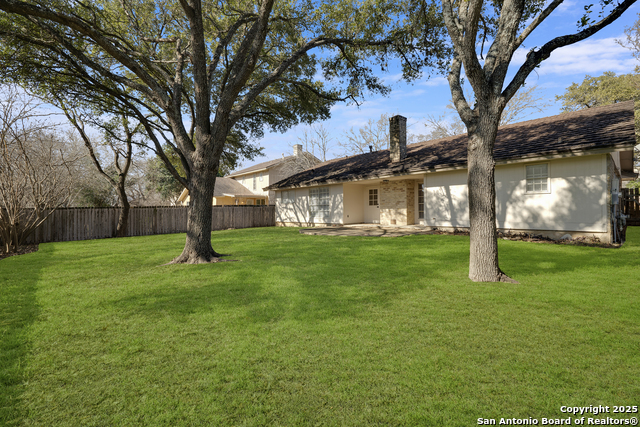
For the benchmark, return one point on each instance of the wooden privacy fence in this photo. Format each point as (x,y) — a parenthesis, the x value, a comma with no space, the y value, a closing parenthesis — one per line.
(630,205)
(69,224)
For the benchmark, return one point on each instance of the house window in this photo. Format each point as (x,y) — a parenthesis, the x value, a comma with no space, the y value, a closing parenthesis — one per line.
(373,197)
(319,205)
(538,178)
(255,184)
(420,201)
(287,197)
(260,176)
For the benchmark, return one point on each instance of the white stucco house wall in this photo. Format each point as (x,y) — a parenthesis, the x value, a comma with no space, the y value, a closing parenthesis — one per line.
(554,176)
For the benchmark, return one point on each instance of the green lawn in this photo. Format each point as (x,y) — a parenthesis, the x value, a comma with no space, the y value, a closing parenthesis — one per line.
(311,330)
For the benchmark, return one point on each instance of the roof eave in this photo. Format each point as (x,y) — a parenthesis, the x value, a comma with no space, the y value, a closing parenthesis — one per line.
(240,173)
(556,154)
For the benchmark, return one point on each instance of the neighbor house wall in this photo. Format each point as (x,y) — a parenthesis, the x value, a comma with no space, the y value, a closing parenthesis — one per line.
(224,201)
(275,174)
(296,214)
(221,201)
(576,201)
(353,196)
(247,181)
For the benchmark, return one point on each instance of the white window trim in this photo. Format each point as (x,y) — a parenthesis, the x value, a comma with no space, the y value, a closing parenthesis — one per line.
(289,198)
(417,206)
(376,198)
(319,204)
(548,190)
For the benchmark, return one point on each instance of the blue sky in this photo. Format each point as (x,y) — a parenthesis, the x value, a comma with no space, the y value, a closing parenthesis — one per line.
(424,97)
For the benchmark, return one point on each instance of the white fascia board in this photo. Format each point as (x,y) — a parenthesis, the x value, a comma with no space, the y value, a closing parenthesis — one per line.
(233,175)
(576,153)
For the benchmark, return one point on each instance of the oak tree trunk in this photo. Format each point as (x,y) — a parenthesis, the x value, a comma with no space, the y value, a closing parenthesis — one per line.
(123,219)
(483,259)
(198,249)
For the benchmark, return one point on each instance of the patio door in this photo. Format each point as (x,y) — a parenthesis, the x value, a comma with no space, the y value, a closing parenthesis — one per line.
(372,205)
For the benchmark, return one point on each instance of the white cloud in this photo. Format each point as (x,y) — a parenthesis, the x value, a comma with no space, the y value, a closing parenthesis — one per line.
(404,94)
(567,7)
(392,78)
(436,81)
(586,57)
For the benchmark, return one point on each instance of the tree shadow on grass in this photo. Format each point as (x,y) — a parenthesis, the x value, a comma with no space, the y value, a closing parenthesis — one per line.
(309,285)
(314,278)
(18,310)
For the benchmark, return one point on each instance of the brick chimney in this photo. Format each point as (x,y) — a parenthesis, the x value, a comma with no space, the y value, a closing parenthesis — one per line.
(297,150)
(397,138)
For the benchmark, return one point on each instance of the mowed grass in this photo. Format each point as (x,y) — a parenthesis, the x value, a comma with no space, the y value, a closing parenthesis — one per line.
(311,330)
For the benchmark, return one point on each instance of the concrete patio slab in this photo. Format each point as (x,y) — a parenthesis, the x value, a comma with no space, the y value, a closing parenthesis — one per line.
(367,230)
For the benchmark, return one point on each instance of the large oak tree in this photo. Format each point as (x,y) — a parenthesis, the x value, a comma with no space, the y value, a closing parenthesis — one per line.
(504,26)
(195,72)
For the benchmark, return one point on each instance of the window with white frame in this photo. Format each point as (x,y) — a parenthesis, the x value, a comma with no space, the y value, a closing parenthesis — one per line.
(538,178)
(319,205)
(373,197)
(287,196)
(260,176)
(255,185)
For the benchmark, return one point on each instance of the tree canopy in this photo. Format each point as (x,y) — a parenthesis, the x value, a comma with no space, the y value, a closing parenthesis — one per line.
(606,89)
(195,72)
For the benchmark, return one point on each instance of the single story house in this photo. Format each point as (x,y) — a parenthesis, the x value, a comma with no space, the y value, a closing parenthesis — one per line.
(554,176)
(246,186)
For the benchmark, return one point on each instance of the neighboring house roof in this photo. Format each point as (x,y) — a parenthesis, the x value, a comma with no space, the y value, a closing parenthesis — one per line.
(225,187)
(260,166)
(230,187)
(610,127)
(271,164)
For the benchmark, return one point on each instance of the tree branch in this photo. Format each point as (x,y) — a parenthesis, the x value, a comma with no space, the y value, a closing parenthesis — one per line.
(534,58)
(534,24)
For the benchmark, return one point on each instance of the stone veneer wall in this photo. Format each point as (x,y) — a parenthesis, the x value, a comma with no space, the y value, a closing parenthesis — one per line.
(397,202)
(411,202)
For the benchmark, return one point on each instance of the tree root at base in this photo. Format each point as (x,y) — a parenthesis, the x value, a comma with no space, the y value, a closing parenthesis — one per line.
(189,257)
(506,279)
(500,278)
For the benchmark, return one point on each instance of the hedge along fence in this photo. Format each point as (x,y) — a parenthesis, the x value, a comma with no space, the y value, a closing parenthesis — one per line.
(68,224)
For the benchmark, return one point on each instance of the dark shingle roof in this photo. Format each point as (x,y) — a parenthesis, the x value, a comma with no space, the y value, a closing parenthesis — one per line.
(594,128)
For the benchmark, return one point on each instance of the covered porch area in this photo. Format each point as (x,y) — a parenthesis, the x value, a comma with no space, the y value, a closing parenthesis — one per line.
(387,202)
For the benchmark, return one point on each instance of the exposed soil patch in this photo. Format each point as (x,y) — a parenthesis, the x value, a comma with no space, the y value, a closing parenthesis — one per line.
(537,238)
(25,249)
